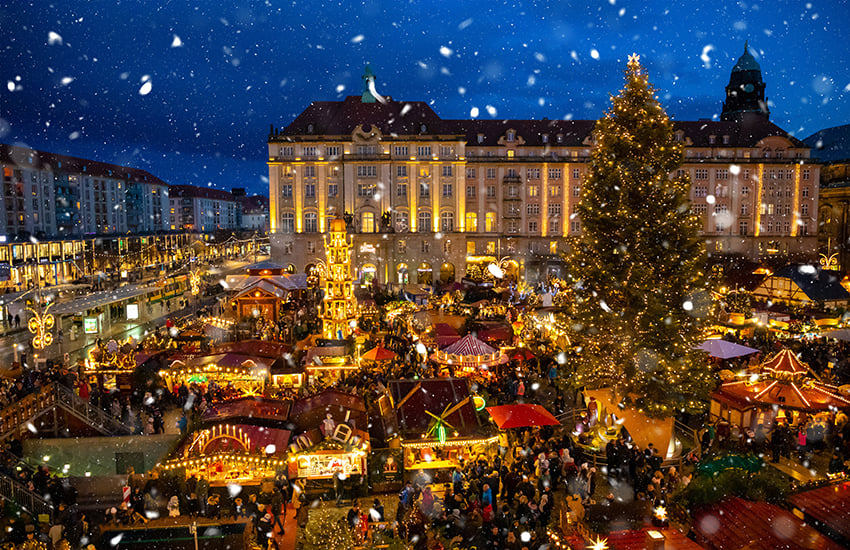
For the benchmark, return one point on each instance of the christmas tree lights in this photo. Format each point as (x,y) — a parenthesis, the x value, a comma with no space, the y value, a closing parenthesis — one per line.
(638,269)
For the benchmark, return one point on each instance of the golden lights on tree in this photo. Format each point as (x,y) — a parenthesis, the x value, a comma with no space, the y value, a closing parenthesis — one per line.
(195,282)
(637,271)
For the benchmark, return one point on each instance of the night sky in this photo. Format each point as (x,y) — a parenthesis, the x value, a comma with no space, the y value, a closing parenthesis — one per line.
(187,90)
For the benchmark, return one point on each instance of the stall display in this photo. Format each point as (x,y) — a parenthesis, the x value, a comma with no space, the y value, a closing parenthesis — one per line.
(230,453)
(111,365)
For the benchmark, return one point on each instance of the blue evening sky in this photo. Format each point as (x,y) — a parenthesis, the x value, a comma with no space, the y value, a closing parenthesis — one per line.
(187,90)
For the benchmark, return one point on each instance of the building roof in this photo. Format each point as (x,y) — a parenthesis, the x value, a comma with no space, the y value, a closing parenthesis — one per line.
(405,118)
(739,523)
(193,191)
(30,158)
(819,285)
(255,204)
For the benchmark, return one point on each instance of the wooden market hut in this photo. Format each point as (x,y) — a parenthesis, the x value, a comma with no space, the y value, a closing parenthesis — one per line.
(264,290)
(782,386)
(423,406)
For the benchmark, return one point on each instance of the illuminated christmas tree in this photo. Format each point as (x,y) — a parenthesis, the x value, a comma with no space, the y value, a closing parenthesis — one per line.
(340,312)
(638,267)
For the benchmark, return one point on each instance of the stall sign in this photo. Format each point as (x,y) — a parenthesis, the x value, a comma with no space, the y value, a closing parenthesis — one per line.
(325,466)
(132,311)
(90,325)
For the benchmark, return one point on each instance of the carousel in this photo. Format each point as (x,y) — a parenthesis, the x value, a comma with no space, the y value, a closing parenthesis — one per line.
(781,387)
(469,356)
(232,453)
(244,375)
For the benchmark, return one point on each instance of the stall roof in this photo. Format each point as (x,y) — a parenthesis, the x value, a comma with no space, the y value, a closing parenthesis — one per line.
(259,348)
(226,360)
(739,523)
(433,395)
(521,415)
(308,412)
(256,408)
(100,299)
(637,540)
(828,506)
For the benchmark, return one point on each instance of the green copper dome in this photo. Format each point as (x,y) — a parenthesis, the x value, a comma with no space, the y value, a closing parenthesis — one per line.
(746,62)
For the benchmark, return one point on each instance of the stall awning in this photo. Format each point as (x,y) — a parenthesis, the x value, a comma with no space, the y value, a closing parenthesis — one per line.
(521,416)
(100,299)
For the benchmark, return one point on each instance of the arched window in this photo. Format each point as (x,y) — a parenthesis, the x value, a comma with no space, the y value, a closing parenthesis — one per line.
(471,222)
(287,222)
(310,222)
(424,222)
(447,222)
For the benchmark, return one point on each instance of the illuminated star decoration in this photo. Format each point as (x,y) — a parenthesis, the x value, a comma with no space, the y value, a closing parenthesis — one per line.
(40,324)
(598,544)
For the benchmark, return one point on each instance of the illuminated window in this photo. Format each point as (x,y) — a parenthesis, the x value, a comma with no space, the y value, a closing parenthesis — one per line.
(470,247)
(491,247)
(554,190)
(553,247)
(471,222)
(424,171)
(367,222)
(490,222)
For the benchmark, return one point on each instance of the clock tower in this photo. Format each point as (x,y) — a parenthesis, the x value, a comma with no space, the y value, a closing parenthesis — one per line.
(745,91)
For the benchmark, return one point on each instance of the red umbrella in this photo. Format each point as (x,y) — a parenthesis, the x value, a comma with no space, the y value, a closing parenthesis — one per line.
(379,354)
(522,415)
(523,355)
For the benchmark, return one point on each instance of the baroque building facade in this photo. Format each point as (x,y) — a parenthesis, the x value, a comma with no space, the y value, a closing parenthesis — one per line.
(427,198)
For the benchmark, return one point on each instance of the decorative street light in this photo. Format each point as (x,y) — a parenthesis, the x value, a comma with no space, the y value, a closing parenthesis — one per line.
(40,324)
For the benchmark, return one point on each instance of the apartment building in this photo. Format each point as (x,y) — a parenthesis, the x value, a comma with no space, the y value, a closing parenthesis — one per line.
(202,209)
(57,196)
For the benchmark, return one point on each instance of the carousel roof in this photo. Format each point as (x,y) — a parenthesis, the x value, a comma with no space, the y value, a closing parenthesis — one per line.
(226,360)
(470,345)
(785,381)
(785,362)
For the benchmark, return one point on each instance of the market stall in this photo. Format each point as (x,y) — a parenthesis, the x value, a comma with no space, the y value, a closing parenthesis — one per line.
(439,426)
(232,453)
